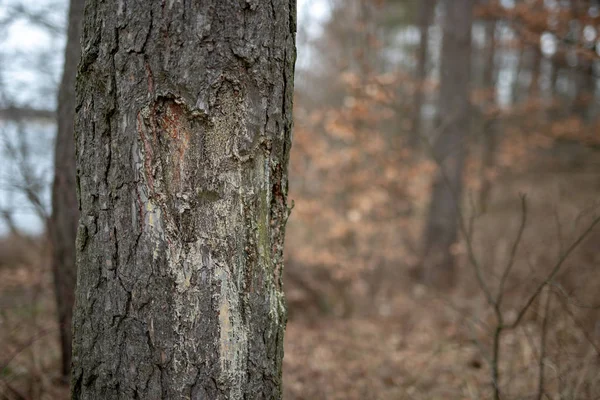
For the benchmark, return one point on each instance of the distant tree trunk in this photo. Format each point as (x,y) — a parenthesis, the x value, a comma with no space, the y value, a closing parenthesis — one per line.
(65,212)
(585,85)
(441,230)
(534,83)
(582,73)
(183,133)
(555,63)
(515,91)
(490,127)
(592,91)
(426,12)
(555,74)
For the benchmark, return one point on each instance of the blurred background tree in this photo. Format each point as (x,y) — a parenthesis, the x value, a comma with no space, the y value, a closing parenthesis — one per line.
(450,144)
(62,227)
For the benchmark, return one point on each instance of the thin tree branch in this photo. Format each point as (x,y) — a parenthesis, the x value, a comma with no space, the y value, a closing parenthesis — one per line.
(543,336)
(16,113)
(513,252)
(553,272)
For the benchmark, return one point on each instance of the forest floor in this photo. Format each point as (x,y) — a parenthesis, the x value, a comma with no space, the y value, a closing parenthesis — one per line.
(413,344)
(419,343)
(409,355)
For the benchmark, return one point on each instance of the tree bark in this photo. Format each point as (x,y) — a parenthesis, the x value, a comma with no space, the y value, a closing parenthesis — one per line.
(490,127)
(441,230)
(65,213)
(183,133)
(426,11)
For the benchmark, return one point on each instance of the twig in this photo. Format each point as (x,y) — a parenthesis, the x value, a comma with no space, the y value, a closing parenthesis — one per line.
(17,395)
(572,299)
(543,336)
(553,273)
(25,346)
(565,307)
(513,252)
(558,231)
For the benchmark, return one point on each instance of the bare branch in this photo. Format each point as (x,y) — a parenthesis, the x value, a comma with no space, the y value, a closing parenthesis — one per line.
(578,324)
(31,184)
(513,252)
(37,17)
(572,299)
(543,336)
(553,272)
(16,113)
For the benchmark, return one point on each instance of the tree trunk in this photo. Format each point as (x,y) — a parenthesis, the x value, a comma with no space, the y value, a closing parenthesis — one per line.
(555,63)
(426,11)
(490,126)
(65,213)
(441,230)
(582,73)
(585,86)
(534,82)
(516,94)
(183,133)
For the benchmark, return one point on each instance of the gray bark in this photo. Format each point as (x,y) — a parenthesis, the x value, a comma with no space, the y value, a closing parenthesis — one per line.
(183,133)
(490,127)
(441,230)
(65,214)
(426,12)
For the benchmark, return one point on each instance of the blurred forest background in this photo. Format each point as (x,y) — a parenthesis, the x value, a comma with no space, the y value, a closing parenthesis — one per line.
(445,172)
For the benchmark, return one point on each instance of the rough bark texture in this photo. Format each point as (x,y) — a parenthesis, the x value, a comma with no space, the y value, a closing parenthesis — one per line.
(183,134)
(441,230)
(426,12)
(65,212)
